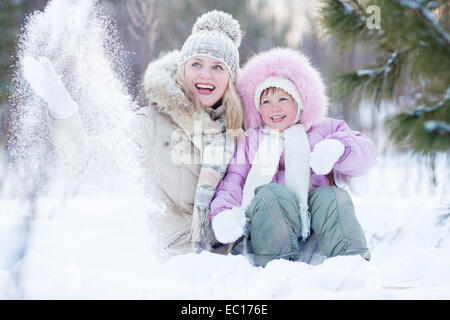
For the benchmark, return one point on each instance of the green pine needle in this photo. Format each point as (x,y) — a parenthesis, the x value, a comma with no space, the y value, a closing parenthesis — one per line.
(416,48)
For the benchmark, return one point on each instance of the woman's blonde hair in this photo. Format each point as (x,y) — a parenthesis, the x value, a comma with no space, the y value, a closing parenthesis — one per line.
(230,100)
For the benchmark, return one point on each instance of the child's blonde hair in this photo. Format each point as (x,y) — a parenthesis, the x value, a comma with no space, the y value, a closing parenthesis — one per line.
(271,90)
(230,100)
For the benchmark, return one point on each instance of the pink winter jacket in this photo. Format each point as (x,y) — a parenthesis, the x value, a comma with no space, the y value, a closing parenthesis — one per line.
(359,156)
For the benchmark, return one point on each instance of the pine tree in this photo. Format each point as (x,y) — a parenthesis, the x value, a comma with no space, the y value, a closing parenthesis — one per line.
(414,45)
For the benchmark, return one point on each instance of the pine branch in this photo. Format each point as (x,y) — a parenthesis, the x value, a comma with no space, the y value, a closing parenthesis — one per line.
(417,51)
(358,5)
(432,109)
(344,21)
(425,130)
(437,127)
(428,16)
(377,82)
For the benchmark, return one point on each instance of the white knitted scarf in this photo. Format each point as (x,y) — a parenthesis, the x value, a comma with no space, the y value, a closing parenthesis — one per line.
(294,142)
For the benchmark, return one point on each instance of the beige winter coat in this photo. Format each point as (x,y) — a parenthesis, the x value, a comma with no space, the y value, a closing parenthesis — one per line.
(161,130)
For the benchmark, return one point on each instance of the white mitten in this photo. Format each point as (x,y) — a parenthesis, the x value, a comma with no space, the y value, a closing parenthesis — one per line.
(325,154)
(229,225)
(48,85)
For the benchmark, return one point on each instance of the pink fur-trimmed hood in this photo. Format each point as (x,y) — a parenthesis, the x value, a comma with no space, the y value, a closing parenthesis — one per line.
(290,64)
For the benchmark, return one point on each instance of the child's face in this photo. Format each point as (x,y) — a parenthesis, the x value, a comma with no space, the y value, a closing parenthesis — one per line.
(278,109)
(206,78)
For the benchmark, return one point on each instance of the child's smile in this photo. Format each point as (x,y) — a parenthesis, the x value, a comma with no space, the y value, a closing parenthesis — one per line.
(278,118)
(278,109)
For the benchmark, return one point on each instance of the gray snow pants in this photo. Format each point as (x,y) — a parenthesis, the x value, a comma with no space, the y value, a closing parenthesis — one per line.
(335,229)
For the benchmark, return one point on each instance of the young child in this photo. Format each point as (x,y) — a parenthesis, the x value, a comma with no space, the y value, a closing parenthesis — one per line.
(270,192)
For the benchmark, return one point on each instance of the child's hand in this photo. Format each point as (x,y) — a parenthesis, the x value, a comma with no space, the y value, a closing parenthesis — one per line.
(47,84)
(229,225)
(325,154)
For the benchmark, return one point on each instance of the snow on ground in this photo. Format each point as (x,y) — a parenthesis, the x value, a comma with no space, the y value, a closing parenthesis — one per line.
(102,247)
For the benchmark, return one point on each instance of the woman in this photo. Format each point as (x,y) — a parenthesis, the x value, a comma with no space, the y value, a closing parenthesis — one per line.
(185,133)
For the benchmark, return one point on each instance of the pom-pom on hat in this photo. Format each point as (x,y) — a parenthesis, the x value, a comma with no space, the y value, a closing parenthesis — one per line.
(215,34)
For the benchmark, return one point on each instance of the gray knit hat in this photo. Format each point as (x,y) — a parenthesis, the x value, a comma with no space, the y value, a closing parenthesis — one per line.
(215,34)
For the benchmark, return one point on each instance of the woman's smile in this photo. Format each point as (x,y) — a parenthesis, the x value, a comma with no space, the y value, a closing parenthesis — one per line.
(205,88)
(206,78)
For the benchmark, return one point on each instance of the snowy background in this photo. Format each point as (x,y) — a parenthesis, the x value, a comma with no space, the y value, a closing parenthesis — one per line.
(92,237)
(93,247)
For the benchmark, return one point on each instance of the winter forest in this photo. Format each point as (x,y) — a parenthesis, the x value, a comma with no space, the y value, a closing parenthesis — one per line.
(386,67)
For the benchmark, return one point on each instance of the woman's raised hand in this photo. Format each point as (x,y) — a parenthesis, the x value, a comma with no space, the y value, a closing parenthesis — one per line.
(47,84)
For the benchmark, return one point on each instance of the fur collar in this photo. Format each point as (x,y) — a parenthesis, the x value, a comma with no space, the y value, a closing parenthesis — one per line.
(166,96)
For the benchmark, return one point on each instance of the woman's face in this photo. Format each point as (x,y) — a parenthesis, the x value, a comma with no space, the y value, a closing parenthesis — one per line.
(206,78)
